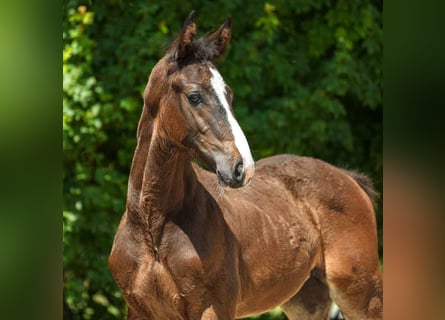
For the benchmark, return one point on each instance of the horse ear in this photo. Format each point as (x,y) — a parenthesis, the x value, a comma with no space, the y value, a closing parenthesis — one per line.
(186,38)
(220,39)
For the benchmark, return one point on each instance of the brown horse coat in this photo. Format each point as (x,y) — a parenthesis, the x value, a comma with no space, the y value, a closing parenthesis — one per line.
(301,233)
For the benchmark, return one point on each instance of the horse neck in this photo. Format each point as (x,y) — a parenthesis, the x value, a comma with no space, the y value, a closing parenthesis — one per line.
(168,176)
(158,188)
(144,135)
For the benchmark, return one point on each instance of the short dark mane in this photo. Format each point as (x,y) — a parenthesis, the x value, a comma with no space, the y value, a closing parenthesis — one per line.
(200,50)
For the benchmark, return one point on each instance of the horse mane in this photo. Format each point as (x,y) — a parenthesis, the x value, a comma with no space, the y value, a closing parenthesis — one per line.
(366,184)
(200,50)
(207,48)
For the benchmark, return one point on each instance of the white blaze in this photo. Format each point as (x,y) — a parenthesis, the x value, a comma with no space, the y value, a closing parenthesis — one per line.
(238,134)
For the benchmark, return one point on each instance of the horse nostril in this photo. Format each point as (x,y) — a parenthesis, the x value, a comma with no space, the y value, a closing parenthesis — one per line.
(239,171)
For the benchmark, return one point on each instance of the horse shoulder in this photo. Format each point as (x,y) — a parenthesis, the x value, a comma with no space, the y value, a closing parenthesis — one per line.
(124,255)
(144,281)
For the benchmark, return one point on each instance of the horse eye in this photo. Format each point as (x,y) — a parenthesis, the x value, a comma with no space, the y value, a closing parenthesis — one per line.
(194,98)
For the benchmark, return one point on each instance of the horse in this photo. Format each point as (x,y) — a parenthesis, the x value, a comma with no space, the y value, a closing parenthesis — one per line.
(238,238)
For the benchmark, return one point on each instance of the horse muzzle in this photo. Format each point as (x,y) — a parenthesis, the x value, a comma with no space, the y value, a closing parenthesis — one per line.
(234,176)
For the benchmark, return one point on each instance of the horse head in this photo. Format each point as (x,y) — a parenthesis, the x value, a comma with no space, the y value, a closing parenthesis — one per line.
(191,105)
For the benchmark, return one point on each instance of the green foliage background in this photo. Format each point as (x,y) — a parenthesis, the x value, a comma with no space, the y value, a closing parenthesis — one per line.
(307,79)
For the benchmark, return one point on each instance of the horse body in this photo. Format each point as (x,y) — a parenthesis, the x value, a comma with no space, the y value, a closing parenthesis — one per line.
(277,242)
(298,217)
(301,233)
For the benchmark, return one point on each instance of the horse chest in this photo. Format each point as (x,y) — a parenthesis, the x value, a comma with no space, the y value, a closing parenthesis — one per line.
(163,289)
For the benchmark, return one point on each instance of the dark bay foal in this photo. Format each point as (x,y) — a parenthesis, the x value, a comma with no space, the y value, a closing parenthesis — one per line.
(298,235)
